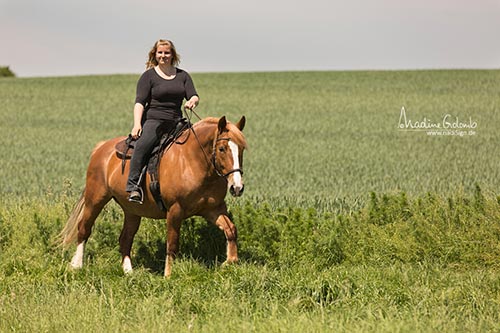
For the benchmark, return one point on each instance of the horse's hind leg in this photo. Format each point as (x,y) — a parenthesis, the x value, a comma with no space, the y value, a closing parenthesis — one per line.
(130,227)
(92,205)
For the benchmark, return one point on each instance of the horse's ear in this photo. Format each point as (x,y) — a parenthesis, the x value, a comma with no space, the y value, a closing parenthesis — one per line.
(241,124)
(222,124)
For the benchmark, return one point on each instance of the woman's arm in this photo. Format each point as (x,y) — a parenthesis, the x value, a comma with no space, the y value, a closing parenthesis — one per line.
(137,129)
(191,95)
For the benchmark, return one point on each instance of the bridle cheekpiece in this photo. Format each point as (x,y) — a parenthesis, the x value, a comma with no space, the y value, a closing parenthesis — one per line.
(214,153)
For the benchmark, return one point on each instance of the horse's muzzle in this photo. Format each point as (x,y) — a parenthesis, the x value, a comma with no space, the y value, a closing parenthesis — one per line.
(236,191)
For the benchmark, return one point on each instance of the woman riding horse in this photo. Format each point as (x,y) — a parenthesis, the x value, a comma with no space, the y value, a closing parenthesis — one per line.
(161,89)
(194,176)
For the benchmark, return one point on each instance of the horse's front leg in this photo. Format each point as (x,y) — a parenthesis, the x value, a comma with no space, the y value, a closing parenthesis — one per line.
(174,220)
(222,220)
(224,223)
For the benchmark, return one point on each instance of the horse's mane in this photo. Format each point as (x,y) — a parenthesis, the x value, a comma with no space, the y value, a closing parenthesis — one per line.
(208,120)
(237,135)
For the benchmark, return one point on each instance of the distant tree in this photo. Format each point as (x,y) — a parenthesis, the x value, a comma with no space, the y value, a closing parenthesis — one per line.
(6,72)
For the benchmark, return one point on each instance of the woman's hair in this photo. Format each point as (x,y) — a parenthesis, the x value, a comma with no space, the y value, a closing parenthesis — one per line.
(176,59)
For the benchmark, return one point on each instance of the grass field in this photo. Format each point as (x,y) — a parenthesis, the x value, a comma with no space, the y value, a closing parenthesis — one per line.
(348,222)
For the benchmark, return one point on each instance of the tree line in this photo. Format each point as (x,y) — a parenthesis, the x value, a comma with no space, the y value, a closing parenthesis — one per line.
(5,71)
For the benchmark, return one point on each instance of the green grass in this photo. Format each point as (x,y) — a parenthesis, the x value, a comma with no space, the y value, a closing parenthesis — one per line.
(396,265)
(361,299)
(347,224)
(316,138)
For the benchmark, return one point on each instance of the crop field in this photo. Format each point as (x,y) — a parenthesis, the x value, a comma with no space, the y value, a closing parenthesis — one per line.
(371,204)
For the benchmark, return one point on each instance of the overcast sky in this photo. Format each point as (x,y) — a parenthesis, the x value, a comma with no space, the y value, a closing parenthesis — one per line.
(79,37)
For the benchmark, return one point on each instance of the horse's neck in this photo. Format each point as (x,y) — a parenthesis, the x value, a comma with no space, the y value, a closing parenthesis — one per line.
(197,150)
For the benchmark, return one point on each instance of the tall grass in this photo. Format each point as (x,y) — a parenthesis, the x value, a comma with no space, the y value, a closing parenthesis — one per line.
(396,265)
(347,224)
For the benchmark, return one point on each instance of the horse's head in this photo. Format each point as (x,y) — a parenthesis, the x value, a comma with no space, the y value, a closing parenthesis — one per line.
(228,154)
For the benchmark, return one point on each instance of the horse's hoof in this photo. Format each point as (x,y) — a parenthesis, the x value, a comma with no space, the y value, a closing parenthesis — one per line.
(229,262)
(127,266)
(75,266)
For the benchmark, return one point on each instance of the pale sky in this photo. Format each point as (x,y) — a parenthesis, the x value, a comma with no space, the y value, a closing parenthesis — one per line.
(70,37)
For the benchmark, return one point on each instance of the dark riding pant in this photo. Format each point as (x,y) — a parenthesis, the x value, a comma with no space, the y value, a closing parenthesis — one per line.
(152,131)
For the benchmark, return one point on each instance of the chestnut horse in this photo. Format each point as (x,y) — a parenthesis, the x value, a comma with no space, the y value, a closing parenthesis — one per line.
(194,175)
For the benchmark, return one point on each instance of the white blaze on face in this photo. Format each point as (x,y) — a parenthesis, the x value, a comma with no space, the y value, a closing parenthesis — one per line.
(236,164)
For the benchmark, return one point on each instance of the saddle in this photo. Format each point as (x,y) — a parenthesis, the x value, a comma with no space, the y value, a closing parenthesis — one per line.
(125,148)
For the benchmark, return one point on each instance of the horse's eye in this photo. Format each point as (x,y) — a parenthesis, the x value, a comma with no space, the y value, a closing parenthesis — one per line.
(221,149)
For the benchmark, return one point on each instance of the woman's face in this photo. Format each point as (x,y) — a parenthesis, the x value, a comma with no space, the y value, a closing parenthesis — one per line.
(163,54)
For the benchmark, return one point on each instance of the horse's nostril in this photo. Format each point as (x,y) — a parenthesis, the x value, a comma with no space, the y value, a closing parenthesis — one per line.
(236,190)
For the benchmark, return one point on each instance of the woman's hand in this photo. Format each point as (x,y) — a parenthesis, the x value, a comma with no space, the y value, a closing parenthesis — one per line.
(136,132)
(192,103)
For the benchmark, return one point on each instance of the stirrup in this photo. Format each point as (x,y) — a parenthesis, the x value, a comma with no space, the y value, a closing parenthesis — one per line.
(136,196)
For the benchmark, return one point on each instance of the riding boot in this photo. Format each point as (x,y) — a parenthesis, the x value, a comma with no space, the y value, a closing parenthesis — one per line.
(137,195)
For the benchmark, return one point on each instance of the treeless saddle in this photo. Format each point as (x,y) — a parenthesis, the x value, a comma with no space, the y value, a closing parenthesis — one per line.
(125,148)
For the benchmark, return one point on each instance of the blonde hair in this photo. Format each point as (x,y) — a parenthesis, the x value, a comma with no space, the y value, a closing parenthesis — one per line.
(176,58)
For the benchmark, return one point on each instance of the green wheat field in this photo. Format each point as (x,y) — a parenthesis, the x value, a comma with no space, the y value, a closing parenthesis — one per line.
(354,218)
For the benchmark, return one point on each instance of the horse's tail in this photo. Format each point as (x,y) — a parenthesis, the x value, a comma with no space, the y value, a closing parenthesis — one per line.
(70,231)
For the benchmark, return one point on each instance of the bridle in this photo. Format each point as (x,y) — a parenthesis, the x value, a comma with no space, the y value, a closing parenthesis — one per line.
(212,159)
(215,164)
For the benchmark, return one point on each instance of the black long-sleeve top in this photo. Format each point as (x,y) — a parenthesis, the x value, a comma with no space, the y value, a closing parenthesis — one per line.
(163,98)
